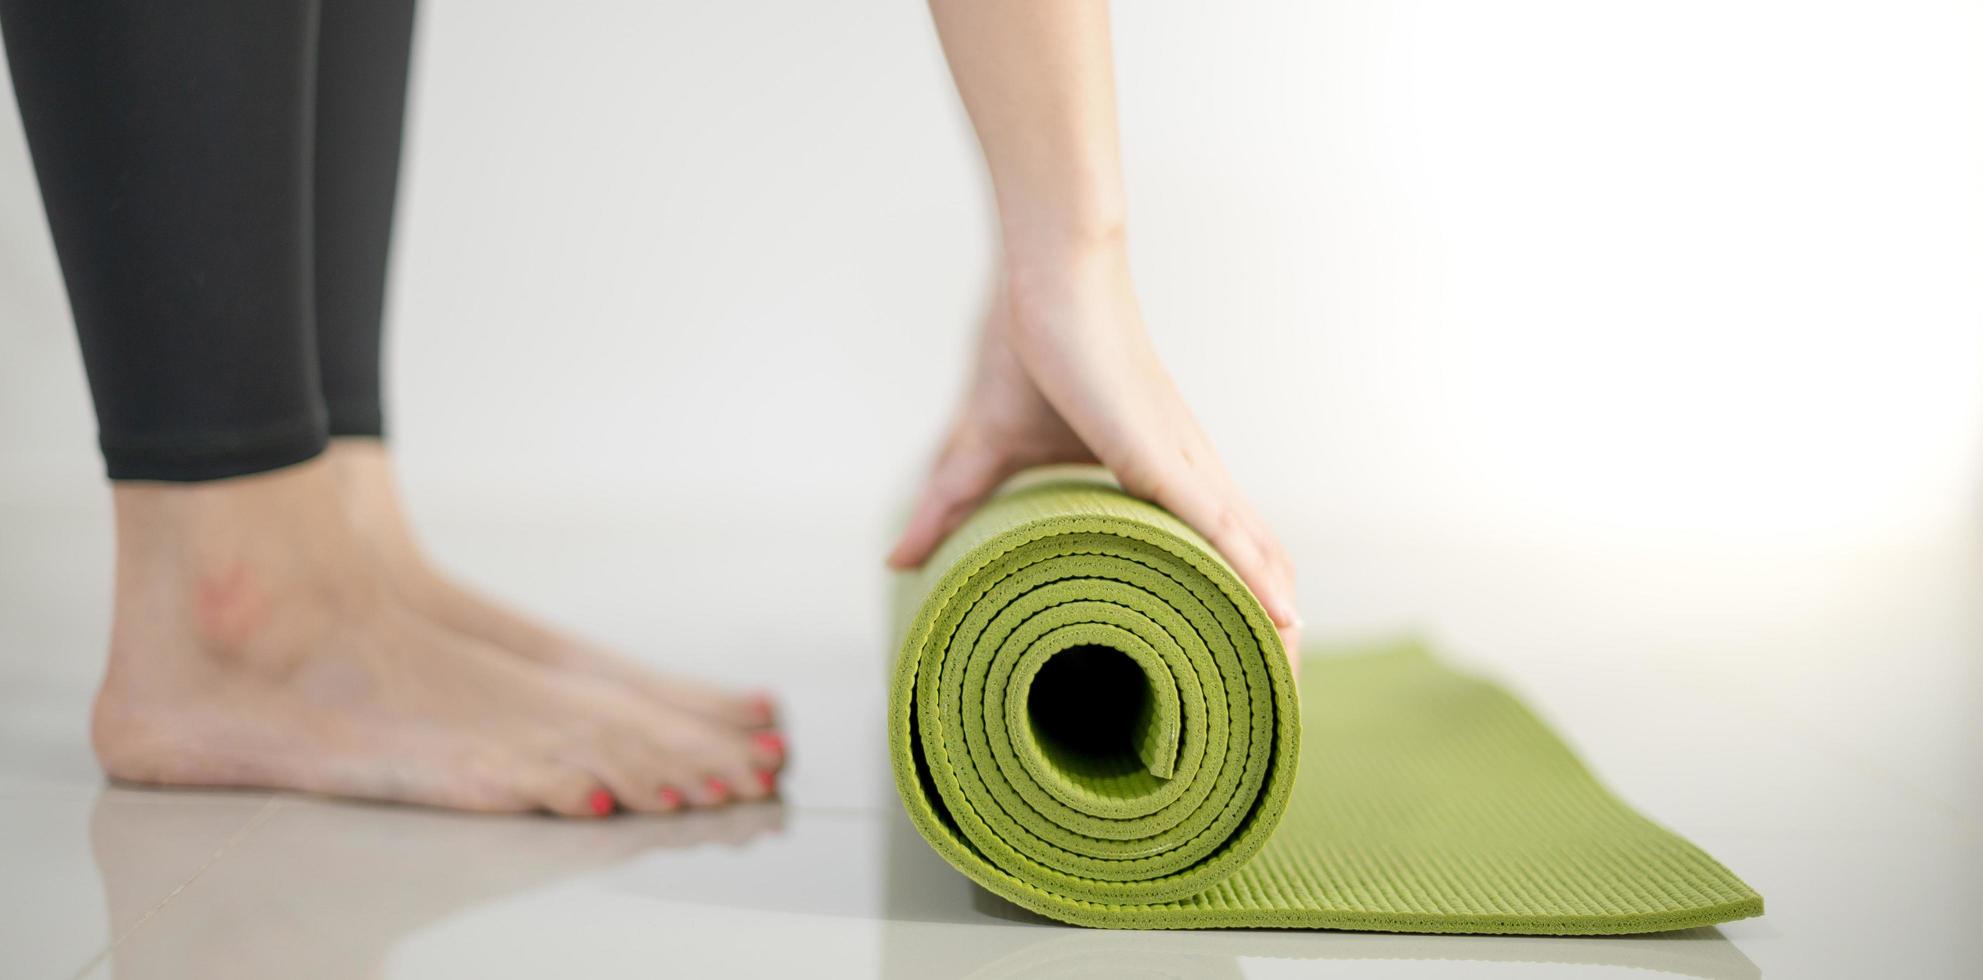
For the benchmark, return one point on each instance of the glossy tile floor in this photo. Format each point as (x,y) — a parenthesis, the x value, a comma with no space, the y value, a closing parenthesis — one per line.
(1809,719)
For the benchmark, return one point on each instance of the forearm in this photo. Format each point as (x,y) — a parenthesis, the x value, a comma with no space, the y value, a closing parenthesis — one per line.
(1067,372)
(1037,79)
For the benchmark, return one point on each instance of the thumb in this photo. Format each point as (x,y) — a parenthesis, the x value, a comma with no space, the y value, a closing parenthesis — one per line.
(957,484)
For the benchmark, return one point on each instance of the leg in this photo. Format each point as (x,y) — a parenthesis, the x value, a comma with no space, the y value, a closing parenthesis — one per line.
(255,639)
(181,222)
(363,52)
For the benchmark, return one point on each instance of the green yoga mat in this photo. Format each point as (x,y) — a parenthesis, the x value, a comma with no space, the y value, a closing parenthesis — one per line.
(1091,717)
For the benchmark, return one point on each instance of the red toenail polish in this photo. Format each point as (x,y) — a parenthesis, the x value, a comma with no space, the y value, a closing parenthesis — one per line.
(771,742)
(766,780)
(717,787)
(671,797)
(602,802)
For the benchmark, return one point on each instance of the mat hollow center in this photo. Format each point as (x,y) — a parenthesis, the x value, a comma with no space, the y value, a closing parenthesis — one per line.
(1092,710)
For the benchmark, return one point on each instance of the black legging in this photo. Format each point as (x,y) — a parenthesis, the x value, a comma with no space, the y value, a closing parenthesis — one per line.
(219,176)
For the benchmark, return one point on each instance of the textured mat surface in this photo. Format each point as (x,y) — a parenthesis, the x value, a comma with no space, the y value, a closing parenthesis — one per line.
(1091,717)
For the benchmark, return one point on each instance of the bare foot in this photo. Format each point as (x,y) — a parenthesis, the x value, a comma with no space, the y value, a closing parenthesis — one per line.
(371,495)
(257,643)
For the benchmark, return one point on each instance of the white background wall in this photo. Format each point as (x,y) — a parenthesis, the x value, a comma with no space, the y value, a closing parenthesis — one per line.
(1668,313)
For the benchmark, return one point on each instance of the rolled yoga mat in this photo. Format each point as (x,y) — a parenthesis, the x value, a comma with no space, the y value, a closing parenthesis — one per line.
(1092,717)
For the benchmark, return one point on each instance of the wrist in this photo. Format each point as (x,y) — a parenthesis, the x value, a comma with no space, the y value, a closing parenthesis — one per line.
(1067,286)
(1065,264)
(1042,238)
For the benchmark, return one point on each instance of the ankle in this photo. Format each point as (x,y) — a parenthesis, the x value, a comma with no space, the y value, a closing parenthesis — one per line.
(368,492)
(210,562)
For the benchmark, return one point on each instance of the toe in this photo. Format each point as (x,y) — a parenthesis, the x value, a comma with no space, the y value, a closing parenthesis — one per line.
(710,791)
(749,782)
(712,763)
(638,749)
(672,798)
(746,767)
(767,782)
(631,766)
(563,789)
(767,749)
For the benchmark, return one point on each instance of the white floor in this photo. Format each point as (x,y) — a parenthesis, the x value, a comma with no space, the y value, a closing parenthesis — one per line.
(1848,793)
(1657,394)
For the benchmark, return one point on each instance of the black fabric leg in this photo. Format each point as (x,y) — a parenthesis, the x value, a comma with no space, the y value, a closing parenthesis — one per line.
(172,142)
(363,50)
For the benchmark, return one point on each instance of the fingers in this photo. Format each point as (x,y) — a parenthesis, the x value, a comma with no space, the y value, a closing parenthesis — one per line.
(1256,554)
(1214,508)
(962,478)
(1281,569)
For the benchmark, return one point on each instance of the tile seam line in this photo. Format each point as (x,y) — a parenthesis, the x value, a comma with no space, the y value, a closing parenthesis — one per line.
(247,827)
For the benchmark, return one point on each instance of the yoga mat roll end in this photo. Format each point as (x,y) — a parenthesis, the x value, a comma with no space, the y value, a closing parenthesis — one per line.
(1096,704)
(1091,716)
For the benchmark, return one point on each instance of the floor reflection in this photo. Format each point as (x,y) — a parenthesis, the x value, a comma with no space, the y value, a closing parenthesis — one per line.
(349,889)
(345,882)
(939,924)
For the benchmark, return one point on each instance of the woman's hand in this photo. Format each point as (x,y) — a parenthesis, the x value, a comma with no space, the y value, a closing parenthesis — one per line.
(1066,373)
